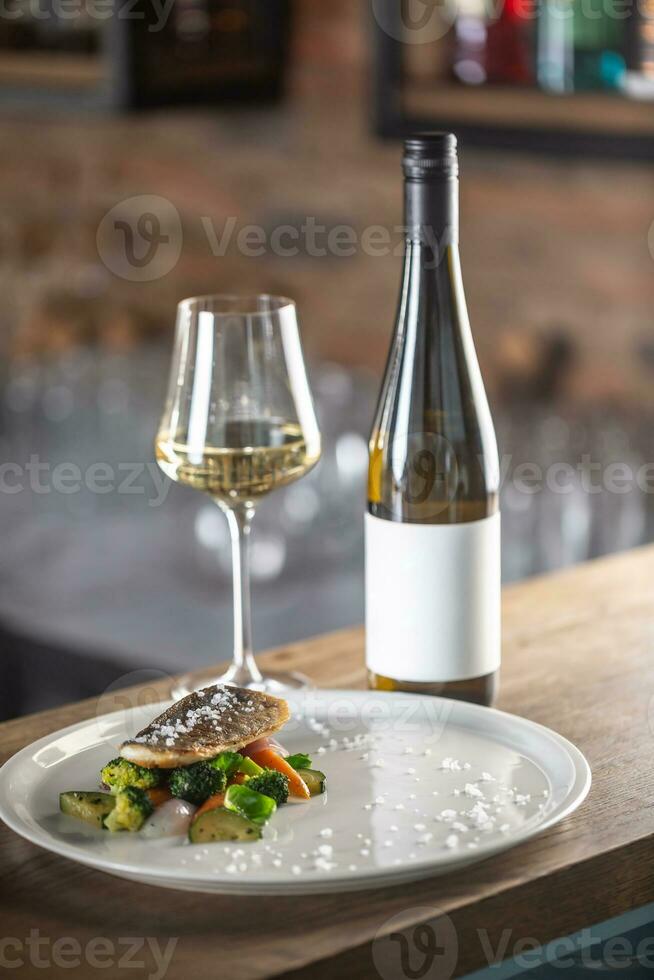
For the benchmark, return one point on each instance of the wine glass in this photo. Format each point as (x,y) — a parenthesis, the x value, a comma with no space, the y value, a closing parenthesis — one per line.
(238,422)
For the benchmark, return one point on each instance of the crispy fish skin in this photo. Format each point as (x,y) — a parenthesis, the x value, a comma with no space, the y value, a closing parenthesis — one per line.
(204,723)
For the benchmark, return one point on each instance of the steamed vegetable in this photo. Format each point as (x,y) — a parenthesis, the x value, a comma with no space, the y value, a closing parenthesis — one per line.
(222,825)
(197,782)
(227,762)
(92,808)
(250,804)
(315,780)
(233,762)
(131,810)
(249,767)
(270,759)
(271,783)
(213,803)
(159,795)
(299,761)
(120,773)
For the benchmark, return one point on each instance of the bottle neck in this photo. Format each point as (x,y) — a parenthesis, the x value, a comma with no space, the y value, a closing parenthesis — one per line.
(432,215)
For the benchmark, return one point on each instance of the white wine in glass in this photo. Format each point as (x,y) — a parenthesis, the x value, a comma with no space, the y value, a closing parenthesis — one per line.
(239,422)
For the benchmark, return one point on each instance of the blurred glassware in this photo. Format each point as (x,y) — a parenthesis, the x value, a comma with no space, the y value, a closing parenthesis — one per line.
(97,570)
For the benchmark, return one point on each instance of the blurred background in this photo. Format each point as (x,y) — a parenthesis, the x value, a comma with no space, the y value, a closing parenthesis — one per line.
(140,141)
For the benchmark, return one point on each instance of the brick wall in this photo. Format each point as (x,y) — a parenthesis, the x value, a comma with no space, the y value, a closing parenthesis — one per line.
(551,249)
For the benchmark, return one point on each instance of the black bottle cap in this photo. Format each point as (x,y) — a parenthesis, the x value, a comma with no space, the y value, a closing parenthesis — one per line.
(430,156)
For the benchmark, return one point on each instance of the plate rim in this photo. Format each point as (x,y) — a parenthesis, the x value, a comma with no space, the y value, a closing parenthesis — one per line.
(312,881)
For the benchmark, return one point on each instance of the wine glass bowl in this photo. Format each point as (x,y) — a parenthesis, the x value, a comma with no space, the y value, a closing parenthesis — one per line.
(238,422)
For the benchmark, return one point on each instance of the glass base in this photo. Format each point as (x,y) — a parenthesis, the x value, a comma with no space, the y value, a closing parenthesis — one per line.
(275,682)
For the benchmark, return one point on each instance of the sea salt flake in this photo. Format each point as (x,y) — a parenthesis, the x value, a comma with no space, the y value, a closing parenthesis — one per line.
(322,864)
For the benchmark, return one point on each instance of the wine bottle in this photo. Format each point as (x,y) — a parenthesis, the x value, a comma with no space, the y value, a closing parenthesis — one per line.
(433,522)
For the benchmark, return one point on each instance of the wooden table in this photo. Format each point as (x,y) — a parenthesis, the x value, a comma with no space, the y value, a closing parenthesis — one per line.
(578,656)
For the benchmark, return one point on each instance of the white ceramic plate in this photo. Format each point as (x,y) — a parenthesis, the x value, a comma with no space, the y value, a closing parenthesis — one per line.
(417,786)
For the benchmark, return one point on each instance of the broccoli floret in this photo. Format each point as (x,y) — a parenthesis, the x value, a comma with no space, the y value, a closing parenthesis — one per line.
(271,783)
(131,810)
(119,773)
(227,761)
(197,782)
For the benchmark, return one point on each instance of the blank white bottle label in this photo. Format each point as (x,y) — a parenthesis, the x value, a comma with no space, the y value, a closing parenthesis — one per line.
(433,596)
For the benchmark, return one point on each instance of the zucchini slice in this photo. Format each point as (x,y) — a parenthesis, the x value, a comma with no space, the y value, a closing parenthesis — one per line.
(315,780)
(92,807)
(222,825)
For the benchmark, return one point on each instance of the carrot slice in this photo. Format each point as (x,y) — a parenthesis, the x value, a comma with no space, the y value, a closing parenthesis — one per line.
(270,759)
(237,777)
(212,803)
(159,795)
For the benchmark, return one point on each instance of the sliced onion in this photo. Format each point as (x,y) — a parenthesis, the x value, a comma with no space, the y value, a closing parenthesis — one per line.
(171,819)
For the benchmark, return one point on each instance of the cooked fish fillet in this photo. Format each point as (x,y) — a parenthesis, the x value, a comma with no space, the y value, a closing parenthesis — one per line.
(204,723)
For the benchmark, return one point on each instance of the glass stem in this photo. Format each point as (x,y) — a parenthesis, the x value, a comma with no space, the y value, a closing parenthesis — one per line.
(244,670)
